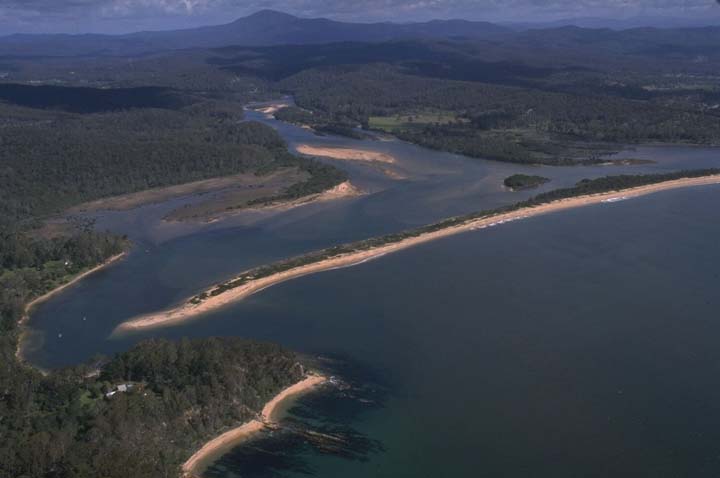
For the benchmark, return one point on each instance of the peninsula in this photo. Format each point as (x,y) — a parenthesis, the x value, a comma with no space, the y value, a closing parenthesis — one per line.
(194,465)
(586,192)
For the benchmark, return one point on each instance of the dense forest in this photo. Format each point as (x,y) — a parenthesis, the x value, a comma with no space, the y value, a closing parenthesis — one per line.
(109,125)
(89,144)
(49,162)
(556,96)
(179,395)
(507,123)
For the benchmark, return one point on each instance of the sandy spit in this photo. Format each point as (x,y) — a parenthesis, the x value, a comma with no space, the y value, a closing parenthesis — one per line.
(342,191)
(192,467)
(187,310)
(347,154)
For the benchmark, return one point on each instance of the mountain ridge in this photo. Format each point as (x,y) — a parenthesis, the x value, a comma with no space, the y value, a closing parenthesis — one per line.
(262,28)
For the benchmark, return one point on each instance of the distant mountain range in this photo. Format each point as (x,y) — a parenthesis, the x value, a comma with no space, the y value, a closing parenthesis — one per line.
(615,23)
(264,28)
(272,28)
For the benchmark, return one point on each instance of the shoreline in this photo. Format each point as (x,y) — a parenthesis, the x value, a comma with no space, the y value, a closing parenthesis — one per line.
(247,430)
(46,296)
(344,190)
(189,309)
(345,154)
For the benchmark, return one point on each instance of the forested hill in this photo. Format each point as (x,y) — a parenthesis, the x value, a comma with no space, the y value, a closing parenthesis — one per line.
(64,146)
(266,27)
(178,396)
(538,123)
(91,100)
(51,160)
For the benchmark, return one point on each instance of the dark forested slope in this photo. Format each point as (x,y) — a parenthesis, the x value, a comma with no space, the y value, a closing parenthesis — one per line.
(48,163)
(509,123)
(180,394)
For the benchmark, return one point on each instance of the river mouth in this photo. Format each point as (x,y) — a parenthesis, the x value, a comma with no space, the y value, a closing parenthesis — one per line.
(487,371)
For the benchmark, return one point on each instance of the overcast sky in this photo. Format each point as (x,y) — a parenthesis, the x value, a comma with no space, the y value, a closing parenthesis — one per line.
(114,16)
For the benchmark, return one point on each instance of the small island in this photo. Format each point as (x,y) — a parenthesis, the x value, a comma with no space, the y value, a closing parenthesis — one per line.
(517,182)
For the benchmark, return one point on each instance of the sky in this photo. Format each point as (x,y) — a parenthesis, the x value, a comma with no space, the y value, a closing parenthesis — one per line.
(119,16)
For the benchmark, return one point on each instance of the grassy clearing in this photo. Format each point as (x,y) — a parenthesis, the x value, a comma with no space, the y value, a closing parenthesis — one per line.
(411,120)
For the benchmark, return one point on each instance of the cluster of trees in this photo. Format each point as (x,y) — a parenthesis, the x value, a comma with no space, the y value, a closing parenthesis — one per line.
(584,187)
(30,267)
(524,181)
(510,123)
(63,424)
(182,394)
(47,166)
(615,183)
(322,177)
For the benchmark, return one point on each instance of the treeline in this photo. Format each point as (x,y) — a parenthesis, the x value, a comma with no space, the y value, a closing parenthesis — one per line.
(29,422)
(90,100)
(30,267)
(616,183)
(180,395)
(47,166)
(63,425)
(336,124)
(509,123)
(524,181)
(584,187)
(322,177)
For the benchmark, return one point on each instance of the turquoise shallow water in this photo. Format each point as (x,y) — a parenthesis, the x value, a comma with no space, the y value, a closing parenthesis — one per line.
(581,343)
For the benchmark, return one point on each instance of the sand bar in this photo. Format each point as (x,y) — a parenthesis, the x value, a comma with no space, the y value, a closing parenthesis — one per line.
(188,310)
(343,190)
(347,154)
(269,111)
(283,177)
(234,437)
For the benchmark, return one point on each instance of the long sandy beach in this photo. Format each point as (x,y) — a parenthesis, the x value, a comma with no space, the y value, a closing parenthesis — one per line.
(188,310)
(237,435)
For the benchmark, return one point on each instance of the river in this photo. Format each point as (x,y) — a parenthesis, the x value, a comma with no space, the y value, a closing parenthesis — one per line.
(580,343)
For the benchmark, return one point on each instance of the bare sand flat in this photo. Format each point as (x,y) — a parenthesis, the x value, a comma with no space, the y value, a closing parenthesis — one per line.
(234,437)
(188,310)
(269,111)
(237,196)
(343,190)
(256,184)
(347,154)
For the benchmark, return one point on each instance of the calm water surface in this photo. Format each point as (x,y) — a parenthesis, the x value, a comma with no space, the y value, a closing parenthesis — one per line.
(581,343)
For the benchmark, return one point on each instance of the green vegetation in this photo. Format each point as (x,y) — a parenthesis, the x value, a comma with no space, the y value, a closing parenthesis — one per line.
(524,181)
(408,121)
(181,395)
(563,96)
(60,154)
(322,124)
(51,161)
(584,187)
(506,123)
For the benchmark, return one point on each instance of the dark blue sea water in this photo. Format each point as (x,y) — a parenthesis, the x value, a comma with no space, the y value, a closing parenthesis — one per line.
(580,343)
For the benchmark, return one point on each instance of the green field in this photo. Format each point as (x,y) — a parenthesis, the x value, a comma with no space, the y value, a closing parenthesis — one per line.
(411,120)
